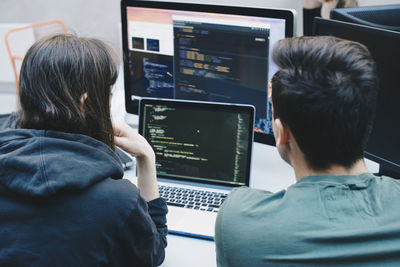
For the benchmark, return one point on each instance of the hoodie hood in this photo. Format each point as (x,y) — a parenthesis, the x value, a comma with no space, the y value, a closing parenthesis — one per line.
(42,163)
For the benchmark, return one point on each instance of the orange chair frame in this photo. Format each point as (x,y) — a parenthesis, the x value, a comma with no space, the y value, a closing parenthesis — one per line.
(14,58)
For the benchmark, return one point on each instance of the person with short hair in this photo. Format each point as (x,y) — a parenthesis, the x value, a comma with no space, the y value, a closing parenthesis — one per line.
(323,97)
(62,199)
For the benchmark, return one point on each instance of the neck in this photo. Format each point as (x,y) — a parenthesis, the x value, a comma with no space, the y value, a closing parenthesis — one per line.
(302,170)
(292,154)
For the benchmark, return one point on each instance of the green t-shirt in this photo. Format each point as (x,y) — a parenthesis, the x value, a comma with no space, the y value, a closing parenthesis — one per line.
(320,220)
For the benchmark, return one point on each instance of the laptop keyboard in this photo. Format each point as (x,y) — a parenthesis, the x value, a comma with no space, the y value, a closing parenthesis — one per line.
(191,198)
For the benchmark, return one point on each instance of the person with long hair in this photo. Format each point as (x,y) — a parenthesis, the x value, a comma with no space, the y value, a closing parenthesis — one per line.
(62,199)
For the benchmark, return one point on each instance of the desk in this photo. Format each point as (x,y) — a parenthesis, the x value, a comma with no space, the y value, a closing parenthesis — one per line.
(268,171)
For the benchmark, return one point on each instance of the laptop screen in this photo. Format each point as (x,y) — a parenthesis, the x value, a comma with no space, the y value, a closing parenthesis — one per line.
(199,141)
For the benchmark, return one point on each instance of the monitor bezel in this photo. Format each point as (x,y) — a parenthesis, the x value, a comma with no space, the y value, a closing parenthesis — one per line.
(288,15)
(208,105)
(321,21)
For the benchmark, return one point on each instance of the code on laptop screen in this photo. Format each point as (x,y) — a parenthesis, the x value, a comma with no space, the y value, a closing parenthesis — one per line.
(202,142)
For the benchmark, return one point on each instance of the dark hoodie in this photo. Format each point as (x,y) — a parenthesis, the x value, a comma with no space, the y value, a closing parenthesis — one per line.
(63,203)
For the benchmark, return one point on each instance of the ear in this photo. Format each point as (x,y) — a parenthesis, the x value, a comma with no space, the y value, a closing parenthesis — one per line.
(269,90)
(281,133)
(83,98)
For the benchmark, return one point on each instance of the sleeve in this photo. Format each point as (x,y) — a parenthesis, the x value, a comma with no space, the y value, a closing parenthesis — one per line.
(229,227)
(220,244)
(219,248)
(143,238)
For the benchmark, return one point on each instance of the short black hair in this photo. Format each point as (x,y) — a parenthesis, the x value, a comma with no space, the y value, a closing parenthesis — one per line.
(325,91)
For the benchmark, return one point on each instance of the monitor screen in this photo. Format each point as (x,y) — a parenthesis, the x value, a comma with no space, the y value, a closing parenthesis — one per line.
(384,45)
(296,6)
(199,141)
(202,52)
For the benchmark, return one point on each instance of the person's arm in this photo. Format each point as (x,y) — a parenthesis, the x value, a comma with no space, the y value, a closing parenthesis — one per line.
(142,239)
(136,145)
(327,6)
(218,238)
(311,4)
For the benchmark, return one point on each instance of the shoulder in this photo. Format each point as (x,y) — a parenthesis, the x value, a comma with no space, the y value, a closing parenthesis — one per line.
(244,198)
(118,192)
(109,201)
(249,192)
(390,182)
(109,205)
(247,206)
(240,203)
(242,222)
(386,190)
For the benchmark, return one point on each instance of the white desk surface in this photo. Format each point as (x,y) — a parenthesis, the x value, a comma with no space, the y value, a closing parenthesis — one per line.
(268,172)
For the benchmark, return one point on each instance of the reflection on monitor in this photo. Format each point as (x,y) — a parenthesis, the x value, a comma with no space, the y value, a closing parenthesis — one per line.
(384,45)
(185,135)
(202,52)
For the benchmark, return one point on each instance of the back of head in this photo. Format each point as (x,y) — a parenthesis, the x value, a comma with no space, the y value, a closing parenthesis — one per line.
(325,92)
(65,85)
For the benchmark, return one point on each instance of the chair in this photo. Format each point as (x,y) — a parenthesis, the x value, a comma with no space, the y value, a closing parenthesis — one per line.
(19,40)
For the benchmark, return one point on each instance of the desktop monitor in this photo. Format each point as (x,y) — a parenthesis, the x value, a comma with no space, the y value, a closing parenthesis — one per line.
(202,52)
(384,142)
(295,5)
(384,17)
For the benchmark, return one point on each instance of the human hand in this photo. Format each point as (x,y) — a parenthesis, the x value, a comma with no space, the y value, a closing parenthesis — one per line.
(131,141)
(136,145)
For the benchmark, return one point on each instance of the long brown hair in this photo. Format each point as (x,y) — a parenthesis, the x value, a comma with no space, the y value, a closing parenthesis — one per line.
(65,85)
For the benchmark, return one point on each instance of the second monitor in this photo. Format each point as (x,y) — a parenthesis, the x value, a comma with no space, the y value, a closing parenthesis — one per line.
(202,52)
(384,143)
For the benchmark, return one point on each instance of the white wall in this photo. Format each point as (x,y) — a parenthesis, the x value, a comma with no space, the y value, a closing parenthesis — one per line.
(94,18)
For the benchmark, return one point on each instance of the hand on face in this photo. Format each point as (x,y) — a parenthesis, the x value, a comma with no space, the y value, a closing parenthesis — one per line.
(131,141)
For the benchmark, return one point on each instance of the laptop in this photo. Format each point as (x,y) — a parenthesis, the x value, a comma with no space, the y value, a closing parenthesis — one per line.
(203,150)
